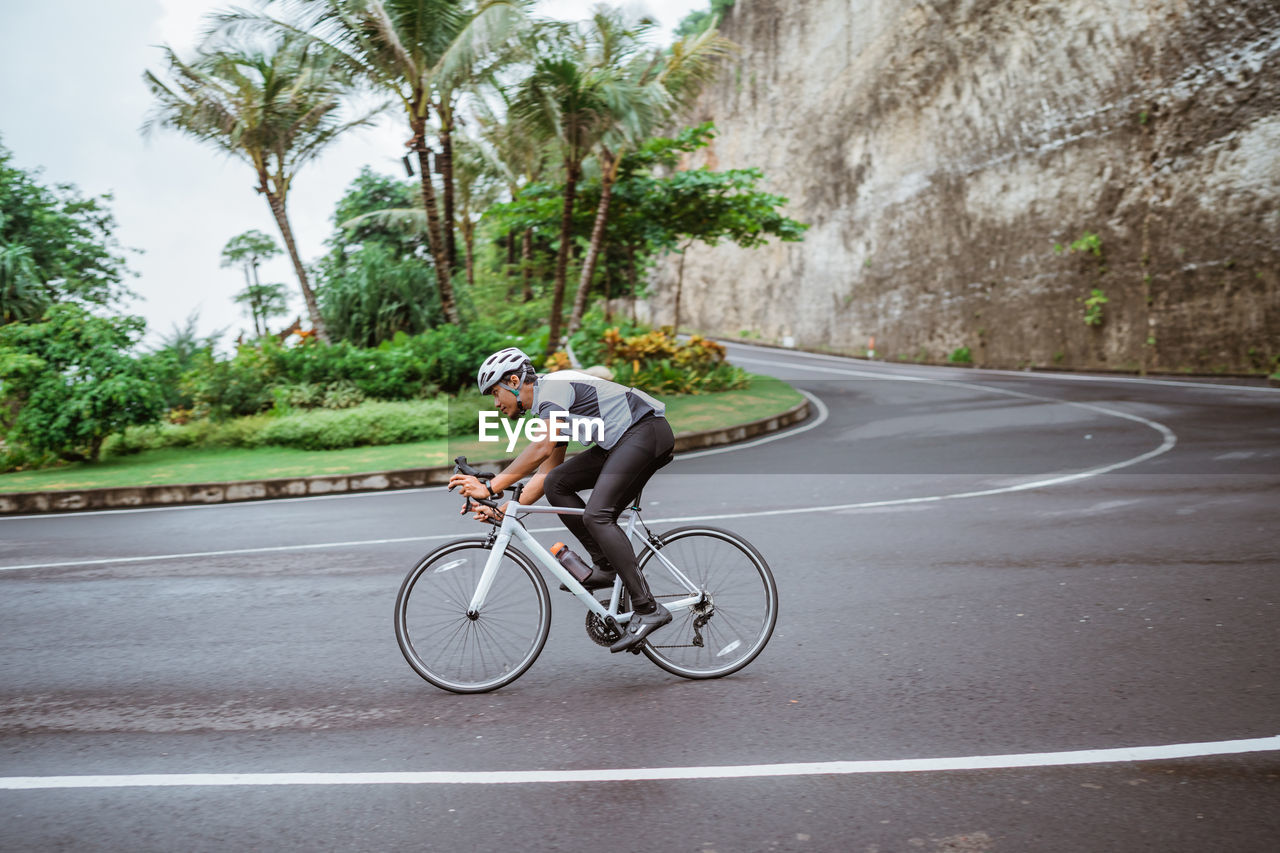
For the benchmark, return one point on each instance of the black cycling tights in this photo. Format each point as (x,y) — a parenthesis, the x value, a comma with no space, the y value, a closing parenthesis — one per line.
(615,478)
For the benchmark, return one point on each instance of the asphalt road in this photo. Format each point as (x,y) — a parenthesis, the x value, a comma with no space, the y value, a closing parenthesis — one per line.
(970,563)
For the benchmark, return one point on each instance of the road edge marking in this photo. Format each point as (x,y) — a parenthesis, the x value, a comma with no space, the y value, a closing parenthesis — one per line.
(648,774)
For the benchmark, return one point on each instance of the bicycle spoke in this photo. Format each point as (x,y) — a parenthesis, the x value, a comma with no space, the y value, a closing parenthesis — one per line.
(732,624)
(454,651)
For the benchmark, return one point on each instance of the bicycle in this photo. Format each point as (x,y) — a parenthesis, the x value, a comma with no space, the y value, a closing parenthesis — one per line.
(474,614)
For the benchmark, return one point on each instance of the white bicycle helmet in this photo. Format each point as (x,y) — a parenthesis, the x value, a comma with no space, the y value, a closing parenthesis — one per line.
(502,363)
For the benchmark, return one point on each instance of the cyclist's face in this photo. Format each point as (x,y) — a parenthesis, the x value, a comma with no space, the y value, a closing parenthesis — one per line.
(504,400)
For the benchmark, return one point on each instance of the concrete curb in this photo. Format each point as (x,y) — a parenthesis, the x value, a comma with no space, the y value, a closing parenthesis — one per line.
(27,503)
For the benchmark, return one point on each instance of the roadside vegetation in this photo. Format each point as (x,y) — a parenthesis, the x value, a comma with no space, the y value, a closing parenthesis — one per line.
(546,178)
(159,462)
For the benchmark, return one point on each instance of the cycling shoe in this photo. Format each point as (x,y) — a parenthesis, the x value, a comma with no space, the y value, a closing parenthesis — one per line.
(639,629)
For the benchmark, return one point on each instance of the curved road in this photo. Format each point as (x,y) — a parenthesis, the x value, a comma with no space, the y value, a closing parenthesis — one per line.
(971,564)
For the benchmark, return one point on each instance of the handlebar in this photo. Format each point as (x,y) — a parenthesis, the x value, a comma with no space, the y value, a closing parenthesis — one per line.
(460,466)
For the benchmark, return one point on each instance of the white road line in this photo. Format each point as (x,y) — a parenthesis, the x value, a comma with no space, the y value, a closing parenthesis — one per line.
(1021,374)
(645,774)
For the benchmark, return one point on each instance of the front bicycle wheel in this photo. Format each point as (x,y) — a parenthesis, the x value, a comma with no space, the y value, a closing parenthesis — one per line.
(735,619)
(472,652)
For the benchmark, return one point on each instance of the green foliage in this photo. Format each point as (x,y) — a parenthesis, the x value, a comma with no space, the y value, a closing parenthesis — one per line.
(22,294)
(589,342)
(55,245)
(179,352)
(259,377)
(1086,242)
(1093,307)
(656,209)
(658,362)
(68,382)
(366,424)
(373,296)
(371,192)
(376,282)
(961,355)
(664,378)
(249,249)
(701,20)
(264,301)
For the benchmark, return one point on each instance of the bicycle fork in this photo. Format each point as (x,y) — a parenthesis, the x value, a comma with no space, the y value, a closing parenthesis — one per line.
(497,547)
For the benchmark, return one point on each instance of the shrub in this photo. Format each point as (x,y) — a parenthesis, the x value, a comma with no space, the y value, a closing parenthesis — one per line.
(371,423)
(67,382)
(407,367)
(659,363)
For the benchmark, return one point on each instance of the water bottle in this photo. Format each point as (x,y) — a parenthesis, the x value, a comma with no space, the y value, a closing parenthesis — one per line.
(571,561)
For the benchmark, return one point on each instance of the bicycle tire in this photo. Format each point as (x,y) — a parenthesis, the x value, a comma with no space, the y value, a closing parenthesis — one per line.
(459,653)
(744,603)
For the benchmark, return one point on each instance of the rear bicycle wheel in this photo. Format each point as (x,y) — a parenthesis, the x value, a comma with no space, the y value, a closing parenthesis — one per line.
(471,653)
(736,619)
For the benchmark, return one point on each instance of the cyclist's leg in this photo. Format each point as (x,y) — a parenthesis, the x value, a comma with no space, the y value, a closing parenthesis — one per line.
(561,486)
(629,465)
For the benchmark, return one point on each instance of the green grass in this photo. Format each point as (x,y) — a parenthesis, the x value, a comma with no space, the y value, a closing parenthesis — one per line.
(763,397)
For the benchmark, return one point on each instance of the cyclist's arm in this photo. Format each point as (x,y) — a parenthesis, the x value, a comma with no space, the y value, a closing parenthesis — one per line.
(529,460)
(533,489)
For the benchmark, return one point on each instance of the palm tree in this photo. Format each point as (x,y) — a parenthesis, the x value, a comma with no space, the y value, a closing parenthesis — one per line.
(478,188)
(568,100)
(273,103)
(519,159)
(650,88)
(420,52)
(22,295)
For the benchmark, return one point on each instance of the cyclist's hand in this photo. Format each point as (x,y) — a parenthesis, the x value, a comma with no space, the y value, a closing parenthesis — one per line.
(468,486)
(484,513)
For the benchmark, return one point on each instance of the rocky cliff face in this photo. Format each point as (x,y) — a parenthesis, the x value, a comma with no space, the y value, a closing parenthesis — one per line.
(941,149)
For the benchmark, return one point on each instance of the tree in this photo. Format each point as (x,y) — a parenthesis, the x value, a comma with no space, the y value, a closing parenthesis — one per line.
(566,100)
(264,302)
(273,103)
(699,205)
(55,246)
(420,53)
(376,294)
(22,294)
(657,84)
(180,351)
(369,193)
(700,20)
(68,381)
(519,159)
(373,282)
(654,214)
(248,250)
(477,190)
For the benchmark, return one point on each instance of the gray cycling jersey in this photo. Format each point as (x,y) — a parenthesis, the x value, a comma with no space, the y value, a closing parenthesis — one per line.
(580,395)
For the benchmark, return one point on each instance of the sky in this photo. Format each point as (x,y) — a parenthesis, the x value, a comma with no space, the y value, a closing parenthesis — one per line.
(72,103)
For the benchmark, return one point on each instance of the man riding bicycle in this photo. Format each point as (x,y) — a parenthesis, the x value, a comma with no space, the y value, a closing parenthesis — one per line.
(636,442)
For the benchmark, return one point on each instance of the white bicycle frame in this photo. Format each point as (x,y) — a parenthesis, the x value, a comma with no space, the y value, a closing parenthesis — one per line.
(512,528)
